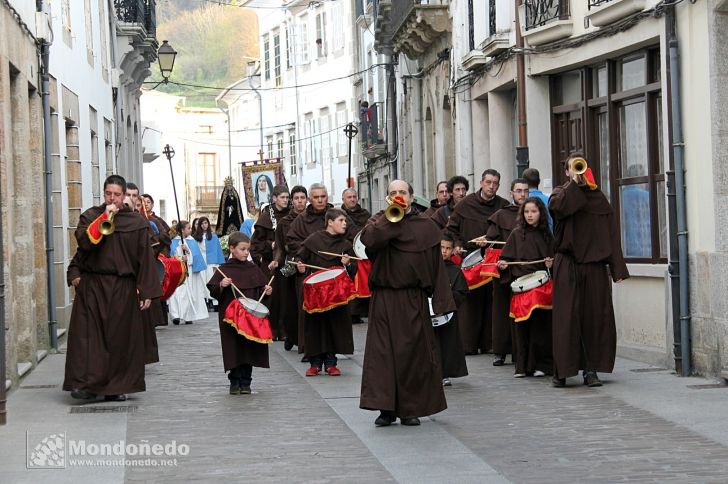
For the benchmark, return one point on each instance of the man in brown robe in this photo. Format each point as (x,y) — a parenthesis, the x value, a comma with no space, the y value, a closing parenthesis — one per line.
(500,226)
(442,195)
(457,187)
(469,221)
(401,373)
(106,351)
(358,217)
(587,243)
(288,312)
(310,221)
(262,246)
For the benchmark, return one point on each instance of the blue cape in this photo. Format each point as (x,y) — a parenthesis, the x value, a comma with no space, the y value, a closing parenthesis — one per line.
(198,262)
(214,250)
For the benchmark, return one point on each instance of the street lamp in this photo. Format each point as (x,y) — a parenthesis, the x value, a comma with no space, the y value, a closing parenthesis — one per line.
(165,56)
(252,65)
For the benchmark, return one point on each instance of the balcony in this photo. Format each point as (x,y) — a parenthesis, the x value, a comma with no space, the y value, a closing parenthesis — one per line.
(137,42)
(605,12)
(546,21)
(410,26)
(207,197)
(372,142)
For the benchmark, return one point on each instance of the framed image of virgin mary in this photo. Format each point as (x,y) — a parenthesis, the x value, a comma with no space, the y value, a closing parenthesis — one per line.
(258,182)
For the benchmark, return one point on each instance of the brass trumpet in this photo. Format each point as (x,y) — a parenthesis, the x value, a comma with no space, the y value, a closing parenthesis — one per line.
(394,212)
(578,166)
(106,227)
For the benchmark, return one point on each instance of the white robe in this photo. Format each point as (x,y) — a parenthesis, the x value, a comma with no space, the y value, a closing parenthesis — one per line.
(188,301)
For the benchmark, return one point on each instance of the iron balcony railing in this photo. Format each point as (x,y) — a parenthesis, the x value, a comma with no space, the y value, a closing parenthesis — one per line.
(207,195)
(369,127)
(491,17)
(597,3)
(143,12)
(541,12)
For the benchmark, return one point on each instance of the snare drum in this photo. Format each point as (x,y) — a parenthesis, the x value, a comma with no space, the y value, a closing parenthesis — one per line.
(327,289)
(532,291)
(250,319)
(530,281)
(175,274)
(471,267)
(359,247)
(438,319)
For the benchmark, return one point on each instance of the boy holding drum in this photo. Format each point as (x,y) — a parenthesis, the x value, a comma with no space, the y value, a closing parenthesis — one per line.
(239,354)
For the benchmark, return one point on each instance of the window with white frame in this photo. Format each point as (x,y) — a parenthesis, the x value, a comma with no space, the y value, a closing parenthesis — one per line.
(270,147)
(340,123)
(266,57)
(279,147)
(307,137)
(277,57)
(302,40)
(321,35)
(289,46)
(325,135)
(316,139)
(338,27)
(292,151)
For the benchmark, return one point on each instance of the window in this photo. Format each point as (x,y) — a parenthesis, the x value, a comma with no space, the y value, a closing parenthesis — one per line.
(321,35)
(302,40)
(289,46)
(325,138)
(279,153)
(103,50)
(89,33)
(206,169)
(270,147)
(340,123)
(277,57)
(292,151)
(619,129)
(338,26)
(266,57)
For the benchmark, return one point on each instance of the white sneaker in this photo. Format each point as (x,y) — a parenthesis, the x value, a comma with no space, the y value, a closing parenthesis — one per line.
(539,373)
(519,375)
(446,382)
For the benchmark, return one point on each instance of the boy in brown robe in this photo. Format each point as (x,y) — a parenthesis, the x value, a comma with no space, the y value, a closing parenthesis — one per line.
(587,242)
(239,354)
(401,375)
(106,352)
(452,357)
(328,332)
(468,221)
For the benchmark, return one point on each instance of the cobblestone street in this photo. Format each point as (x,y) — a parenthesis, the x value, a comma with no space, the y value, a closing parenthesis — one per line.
(643,425)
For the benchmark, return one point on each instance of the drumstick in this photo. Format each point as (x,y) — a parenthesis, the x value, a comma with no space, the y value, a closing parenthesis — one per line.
(525,262)
(269,283)
(340,255)
(309,265)
(483,239)
(231,283)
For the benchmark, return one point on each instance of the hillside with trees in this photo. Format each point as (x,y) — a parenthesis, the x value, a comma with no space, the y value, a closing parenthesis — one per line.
(214,44)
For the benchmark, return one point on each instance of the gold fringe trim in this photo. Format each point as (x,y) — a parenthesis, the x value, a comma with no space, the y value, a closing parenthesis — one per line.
(537,306)
(348,300)
(247,336)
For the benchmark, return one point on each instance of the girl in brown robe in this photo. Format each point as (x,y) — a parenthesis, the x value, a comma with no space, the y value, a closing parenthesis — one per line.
(239,354)
(530,240)
(328,333)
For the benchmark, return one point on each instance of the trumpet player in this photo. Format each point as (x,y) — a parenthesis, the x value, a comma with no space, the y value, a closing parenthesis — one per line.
(587,243)
(106,352)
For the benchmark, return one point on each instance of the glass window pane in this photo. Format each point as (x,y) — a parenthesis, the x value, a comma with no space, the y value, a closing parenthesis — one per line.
(571,87)
(631,74)
(603,126)
(662,218)
(633,140)
(635,217)
(660,147)
(599,82)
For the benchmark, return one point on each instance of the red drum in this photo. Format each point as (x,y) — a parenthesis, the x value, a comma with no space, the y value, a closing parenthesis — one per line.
(361,280)
(538,297)
(245,316)
(175,274)
(489,267)
(326,289)
(472,265)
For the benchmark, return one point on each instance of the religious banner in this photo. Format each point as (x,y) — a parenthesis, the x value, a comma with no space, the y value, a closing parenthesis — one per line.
(259,178)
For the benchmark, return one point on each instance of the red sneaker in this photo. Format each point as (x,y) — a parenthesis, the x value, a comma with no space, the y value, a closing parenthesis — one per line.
(313,371)
(333,371)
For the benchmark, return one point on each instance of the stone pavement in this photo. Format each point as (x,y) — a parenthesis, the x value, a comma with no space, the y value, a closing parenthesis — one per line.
(643,425)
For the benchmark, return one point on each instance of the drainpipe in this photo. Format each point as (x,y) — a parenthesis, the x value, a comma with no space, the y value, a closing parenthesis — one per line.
(680,204)
(392,141)
(48,171)
(522,148)
(3,398)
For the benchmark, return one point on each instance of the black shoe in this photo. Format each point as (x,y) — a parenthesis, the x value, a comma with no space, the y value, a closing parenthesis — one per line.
(385,419)
(592,380)
(82,395)
(499,360)
(245,390)
(410,421)
(304,359)
(558,382)
(188,322)
(288,345)
(234,388)
(175,321)
(115,398)
(356,320)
